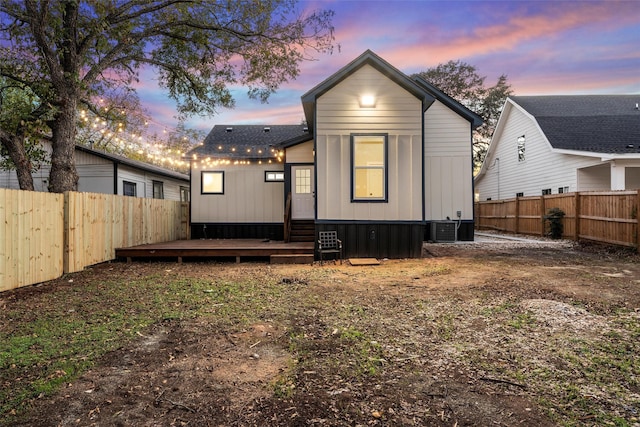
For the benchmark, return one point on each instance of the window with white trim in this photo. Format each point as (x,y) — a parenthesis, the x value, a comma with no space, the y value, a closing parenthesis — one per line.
(369,168)
(521,147)
(212,182)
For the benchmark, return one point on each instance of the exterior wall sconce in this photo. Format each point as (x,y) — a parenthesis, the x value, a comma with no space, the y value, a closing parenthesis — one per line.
(367,101)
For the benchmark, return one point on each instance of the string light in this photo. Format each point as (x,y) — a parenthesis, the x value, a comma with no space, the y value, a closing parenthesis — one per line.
(160,153)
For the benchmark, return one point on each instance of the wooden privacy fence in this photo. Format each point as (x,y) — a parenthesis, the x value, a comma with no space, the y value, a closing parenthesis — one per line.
(31,237)
(608,217)
(44,235)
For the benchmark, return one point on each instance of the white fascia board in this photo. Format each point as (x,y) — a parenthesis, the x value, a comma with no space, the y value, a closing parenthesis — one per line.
(603,156)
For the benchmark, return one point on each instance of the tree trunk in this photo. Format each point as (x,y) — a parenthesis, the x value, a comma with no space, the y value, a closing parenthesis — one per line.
(64,176)
(14,144)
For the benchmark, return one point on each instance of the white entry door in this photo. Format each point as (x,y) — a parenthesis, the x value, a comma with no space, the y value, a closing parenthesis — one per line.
(302,192)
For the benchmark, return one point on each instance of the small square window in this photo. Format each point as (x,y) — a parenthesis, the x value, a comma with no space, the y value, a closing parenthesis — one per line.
(274,176)
(546,191)
(519,194)
(562,190)
(212,182)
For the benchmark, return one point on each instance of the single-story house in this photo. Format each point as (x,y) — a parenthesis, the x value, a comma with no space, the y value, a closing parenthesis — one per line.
(380,159)
(102,172)
(559,144)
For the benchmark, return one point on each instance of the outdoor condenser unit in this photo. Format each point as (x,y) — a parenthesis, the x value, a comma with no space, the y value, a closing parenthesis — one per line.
(444,231)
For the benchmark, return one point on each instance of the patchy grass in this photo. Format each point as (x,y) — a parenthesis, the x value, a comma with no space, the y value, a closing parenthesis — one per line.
(368,346)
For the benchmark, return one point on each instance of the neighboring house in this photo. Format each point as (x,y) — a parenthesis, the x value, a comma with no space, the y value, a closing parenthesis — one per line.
(559,144)
(102,172)
(380,158)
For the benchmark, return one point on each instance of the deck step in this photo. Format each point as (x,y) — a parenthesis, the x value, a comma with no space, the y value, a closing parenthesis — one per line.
(291,259)
(302,231)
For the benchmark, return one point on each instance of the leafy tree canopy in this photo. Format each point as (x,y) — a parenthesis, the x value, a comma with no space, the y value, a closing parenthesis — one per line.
(462,82)
(70,54)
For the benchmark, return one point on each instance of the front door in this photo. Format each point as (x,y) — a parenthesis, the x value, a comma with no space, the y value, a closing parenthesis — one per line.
(302,192)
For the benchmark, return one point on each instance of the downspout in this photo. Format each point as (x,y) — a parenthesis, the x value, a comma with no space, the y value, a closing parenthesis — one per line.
(424,173)
(115,178)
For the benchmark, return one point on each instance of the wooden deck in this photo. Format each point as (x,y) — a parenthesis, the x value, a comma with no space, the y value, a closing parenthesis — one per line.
(210,248)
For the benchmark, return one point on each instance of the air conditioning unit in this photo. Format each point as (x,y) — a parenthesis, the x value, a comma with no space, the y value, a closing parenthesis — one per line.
(444,231)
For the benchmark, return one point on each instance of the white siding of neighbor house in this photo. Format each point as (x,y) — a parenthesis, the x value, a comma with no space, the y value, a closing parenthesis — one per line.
(448,164)
(632,177)
(96,178)
(144,182)
(338,115)
(95,175)
(301,153)
(542,167)
(247,197)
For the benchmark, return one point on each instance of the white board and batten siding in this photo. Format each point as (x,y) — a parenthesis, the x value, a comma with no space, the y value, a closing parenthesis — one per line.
(247,197)
(448,164)
(542,167)
(396,113)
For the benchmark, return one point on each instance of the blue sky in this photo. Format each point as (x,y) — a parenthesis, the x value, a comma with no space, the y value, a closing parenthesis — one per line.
(544,47)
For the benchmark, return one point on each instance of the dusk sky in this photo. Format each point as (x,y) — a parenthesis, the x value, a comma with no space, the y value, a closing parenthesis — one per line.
(544,48)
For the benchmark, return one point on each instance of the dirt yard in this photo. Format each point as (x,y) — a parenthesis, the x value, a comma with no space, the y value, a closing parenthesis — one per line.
(500,333)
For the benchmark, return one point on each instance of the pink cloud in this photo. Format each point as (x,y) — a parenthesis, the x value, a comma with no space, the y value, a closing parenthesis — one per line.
(508,36)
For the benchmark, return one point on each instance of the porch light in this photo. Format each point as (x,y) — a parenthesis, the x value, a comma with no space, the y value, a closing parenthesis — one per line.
(367,101)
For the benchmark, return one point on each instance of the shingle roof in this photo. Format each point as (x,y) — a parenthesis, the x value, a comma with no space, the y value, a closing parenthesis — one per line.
(595,123)
(247,141)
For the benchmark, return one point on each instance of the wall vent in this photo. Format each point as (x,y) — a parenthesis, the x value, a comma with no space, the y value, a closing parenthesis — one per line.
(444,231)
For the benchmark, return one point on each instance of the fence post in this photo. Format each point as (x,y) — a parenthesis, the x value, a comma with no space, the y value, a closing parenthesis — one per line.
(542,213)
(517,220)
(66,246)
(576,209)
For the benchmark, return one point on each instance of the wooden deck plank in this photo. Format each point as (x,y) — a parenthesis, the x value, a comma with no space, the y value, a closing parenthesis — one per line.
(216,248)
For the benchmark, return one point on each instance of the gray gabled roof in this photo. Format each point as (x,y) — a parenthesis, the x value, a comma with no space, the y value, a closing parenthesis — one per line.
(147,167)
(367,58)
(248,141)
(593,123)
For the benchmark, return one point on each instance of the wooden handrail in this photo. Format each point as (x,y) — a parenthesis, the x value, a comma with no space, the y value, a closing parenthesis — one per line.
(287,219)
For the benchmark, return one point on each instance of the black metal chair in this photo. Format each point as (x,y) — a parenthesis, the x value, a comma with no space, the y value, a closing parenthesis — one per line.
(328,243)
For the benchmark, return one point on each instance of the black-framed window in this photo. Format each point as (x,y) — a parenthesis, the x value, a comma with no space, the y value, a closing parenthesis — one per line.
(369,167)
(129,188)
(519,194)
(546,191)
(158,190)
(273,176)
(212,182)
